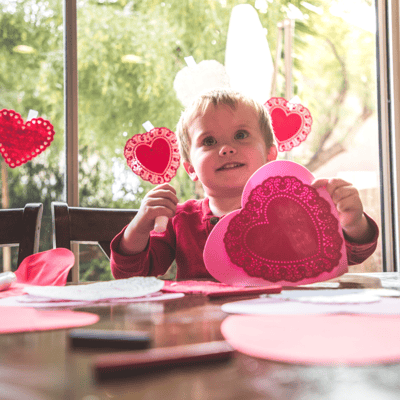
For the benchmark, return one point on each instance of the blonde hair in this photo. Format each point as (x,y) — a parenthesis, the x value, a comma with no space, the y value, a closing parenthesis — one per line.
(218,97)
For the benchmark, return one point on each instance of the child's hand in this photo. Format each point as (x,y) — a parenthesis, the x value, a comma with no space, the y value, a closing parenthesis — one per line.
(160,201)
(349,206)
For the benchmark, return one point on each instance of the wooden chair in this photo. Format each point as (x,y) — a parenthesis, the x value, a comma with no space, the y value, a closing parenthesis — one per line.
(87,225)
(21,227)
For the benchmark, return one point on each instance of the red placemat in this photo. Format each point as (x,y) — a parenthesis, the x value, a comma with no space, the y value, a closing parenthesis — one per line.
(16,289)
(216,289)
(21,319)
(316,339)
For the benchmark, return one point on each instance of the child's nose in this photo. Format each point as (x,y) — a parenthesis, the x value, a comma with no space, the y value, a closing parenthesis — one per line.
(227,149)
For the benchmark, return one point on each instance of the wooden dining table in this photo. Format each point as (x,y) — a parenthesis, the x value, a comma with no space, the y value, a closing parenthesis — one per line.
(43,365)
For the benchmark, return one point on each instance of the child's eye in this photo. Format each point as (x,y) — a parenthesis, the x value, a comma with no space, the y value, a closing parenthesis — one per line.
(209,141)
(241,135)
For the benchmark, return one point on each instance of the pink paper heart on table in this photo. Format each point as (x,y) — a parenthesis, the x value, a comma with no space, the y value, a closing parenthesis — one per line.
(286,232)
(153,155)
(291,122)
(47,268)
(19,141)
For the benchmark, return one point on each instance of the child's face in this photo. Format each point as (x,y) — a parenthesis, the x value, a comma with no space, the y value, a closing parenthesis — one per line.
(227,147)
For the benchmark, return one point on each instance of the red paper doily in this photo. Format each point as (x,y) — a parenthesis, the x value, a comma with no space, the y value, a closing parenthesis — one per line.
(19,141)
(291,122)
(286,231)
(153,155)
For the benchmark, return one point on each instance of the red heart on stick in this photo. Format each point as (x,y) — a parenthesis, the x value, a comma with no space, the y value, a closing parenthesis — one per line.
(21,142)
(291,122)
(153,155)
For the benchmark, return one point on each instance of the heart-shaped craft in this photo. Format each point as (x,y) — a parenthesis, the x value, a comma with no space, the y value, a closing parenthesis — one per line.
(153,155)
(286,232)
(21,142)
(291,122)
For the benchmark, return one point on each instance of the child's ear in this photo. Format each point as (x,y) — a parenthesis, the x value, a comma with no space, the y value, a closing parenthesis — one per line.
(272,153)
(190,170)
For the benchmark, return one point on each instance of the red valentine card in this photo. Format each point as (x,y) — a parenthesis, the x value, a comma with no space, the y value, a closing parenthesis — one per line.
(286,232)
(291,122)
(153,155)
(19,141)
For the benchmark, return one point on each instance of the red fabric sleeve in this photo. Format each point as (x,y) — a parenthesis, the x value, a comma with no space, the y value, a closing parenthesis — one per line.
(154,260)
(358,253)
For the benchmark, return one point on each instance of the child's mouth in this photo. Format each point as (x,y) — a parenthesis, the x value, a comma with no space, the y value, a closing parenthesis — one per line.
(230,166)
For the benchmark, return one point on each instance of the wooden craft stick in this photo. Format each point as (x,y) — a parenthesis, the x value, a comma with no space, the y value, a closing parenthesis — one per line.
(121,365)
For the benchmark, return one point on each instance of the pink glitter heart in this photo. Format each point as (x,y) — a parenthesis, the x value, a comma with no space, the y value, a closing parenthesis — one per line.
(153,155)
(286,232)
(291,122)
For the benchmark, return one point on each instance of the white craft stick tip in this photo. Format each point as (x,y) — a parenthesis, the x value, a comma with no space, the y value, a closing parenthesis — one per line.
(161,224)
(190,61)
(148,126)
(32,114)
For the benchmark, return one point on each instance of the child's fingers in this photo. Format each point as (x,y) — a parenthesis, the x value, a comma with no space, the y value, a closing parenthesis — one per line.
(349,204)
(344,192)
(163,193)
(330,184)
(160,202)
(165,186)
(318,183)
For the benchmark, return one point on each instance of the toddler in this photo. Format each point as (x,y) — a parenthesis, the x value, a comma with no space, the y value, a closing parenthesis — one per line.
(224,137)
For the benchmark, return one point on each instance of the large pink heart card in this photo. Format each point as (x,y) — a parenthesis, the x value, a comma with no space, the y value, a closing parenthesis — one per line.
(291,122)
(286,232)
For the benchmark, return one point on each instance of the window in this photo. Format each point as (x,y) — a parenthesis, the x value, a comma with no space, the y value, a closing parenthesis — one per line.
(31,77)
(127,57)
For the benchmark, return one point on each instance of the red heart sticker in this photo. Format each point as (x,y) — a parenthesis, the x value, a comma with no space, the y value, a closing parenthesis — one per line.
(286,232)
(153,155)
(291,122)
(19,141)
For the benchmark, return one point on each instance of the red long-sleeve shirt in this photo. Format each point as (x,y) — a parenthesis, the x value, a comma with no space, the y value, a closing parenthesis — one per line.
(184,240)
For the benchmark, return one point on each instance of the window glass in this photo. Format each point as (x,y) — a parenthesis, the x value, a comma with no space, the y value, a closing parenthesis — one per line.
(130,53)
(31,77)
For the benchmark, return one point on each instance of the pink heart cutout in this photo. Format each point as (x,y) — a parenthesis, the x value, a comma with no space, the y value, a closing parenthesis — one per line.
(286,232)
(153,155)
(19,141)
(291,122)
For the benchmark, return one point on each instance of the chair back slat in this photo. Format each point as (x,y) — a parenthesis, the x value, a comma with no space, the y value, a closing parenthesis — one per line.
(87,225)
(21,227)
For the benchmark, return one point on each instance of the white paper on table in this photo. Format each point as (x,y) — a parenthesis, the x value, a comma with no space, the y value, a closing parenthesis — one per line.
(121,288)
(274,305)
(40,302)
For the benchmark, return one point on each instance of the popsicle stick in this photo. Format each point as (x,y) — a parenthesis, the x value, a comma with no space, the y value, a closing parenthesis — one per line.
(161,222)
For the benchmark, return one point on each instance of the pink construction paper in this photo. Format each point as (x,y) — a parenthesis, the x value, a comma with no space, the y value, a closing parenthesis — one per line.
(20,319)
(48,268)
(274,306)
(216,289)
(286,232)
(16,289)
(291,122)
(321,340)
